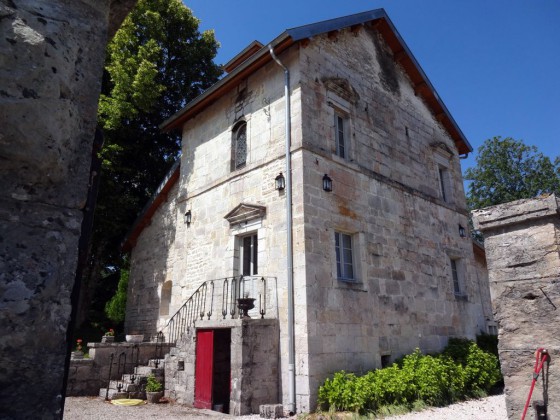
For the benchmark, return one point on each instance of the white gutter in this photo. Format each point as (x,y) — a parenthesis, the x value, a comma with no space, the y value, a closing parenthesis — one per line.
(290,257)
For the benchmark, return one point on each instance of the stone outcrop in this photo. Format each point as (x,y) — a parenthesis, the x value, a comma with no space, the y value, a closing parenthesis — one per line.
(522,240)
(50,78)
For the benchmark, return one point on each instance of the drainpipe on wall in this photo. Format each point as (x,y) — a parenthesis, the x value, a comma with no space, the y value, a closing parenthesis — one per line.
(290,256)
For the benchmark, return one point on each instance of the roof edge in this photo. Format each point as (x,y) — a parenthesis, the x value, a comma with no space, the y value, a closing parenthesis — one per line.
(150,208)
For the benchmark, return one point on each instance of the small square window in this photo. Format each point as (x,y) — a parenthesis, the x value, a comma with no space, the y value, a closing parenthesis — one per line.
(345,265)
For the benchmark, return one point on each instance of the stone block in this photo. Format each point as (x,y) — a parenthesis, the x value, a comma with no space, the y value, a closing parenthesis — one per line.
(271,411)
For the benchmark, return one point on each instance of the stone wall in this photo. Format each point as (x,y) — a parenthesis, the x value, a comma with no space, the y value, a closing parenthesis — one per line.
(387,197)
(254,365)
(87,376)
(152,263)
(522,241)
(50,78)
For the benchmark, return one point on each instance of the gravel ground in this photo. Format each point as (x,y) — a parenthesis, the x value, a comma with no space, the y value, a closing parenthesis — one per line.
(94,408)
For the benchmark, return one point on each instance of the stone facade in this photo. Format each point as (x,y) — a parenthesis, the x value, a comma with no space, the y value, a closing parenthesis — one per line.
(254,365)
(397,197)
(50,78)
(522,241)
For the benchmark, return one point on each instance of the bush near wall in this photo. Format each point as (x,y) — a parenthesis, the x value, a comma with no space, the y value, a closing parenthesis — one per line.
(461,371)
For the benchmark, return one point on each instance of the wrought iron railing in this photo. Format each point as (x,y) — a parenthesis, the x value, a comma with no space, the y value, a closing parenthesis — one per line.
(223,293)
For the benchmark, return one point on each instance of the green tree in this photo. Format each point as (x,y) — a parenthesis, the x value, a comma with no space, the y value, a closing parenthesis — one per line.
(115,308)
(507,170)
(155,64)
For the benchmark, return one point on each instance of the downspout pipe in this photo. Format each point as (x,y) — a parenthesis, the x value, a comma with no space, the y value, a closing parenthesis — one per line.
(290,252)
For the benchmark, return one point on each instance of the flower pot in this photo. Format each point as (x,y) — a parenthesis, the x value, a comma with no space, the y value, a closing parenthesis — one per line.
(245,305)
(108,339)
(134,338)
(153,397)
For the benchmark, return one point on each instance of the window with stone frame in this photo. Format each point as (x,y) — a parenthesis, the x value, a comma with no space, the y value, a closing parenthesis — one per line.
(248,255)
(340,130)
(345,259)
(239,146)
(443,156)
(456,276)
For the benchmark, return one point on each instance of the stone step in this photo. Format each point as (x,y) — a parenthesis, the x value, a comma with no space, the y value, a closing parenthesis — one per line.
(113,394)
(132,378)
(156,362)
(148,370)
(125,387)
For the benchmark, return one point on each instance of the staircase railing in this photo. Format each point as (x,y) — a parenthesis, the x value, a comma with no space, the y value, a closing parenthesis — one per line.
(201,304)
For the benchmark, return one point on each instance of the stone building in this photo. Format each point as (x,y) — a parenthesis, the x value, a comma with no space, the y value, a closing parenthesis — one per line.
(363,254)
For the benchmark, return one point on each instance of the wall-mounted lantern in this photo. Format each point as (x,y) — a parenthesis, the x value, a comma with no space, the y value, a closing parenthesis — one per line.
(188,217)
(327,183)
(462,232)
(280,182)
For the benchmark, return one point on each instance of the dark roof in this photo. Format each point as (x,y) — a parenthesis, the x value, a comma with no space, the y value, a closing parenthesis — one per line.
(251,59)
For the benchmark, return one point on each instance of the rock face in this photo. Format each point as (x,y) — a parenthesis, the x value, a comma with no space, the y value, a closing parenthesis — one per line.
(50,78)
(522,241)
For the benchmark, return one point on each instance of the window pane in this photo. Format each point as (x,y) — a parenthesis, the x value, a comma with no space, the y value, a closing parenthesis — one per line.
(442,175)
(246,256)
(348,271)
(344,258)
(340,141)
(255,254)
(337,252)
(347,241)
(241,146)
(455,275)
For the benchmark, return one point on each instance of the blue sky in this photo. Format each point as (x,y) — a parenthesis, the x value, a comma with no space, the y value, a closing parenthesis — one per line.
(495,63)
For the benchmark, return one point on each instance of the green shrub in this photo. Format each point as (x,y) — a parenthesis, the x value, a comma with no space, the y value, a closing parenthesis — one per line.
(462,370)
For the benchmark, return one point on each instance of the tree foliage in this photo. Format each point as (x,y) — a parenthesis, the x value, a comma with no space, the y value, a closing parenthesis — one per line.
(507,170)
(155,64)
(115,308)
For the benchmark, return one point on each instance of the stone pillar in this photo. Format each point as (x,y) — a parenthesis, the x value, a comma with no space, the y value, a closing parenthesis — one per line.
(51,60)
(522,241)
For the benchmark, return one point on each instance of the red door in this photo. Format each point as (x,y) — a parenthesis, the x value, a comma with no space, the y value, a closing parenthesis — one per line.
(204,369)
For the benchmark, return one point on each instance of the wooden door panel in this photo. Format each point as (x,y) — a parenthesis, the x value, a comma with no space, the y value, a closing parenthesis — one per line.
(204,369)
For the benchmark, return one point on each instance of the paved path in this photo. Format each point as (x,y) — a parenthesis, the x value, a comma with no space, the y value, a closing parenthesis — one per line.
(95,408)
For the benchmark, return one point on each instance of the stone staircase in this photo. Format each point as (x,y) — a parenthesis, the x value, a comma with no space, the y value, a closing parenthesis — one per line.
(132,385)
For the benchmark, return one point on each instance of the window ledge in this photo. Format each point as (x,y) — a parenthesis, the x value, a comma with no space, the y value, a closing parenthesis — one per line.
(462,297)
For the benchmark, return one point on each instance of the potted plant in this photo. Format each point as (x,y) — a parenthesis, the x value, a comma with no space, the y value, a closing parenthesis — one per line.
(78,353)
(154,389)
(109,336)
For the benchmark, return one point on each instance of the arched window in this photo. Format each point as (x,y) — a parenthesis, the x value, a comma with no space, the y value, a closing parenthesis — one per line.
(165,298)
(239,145)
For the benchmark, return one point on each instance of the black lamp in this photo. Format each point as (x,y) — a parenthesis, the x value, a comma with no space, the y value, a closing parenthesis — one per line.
(280,182)
(188,217)
(327,183)
(462,232)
